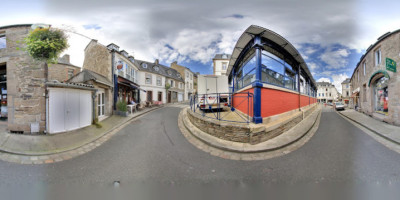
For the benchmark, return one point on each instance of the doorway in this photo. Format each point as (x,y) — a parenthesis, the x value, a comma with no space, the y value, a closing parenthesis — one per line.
(169,96)
(100,104)
(159,96)
(149,96)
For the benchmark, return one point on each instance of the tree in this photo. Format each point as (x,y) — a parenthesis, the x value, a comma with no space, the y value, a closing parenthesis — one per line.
(46,44)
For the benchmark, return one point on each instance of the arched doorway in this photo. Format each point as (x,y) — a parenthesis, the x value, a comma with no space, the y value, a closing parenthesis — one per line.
(381,94)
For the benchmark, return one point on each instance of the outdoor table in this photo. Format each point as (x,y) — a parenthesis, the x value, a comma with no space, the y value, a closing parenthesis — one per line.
(131,107)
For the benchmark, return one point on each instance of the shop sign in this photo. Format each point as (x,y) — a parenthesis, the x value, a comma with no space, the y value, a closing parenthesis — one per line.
(390,65)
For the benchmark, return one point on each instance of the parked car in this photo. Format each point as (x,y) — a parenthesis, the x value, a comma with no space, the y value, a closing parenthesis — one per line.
(338,106)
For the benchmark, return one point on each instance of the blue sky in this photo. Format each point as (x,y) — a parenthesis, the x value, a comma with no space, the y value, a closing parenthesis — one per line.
(330,35)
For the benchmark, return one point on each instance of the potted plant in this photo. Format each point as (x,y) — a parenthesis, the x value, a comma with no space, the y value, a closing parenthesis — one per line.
(122,109)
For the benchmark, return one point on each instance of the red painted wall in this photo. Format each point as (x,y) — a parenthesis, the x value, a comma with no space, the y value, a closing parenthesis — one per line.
(273,102)
(242,103)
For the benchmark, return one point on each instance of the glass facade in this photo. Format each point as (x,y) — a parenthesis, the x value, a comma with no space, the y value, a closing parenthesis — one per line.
(246,75)
(381,95)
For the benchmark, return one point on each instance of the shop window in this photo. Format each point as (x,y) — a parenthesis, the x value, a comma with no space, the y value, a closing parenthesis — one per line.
(276,71)
(246,74)
(381,95)
(378,57)
(3,42)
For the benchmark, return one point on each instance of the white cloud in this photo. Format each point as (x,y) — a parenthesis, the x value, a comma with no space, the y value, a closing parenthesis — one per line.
(323,79)
(337,81)
(335,59)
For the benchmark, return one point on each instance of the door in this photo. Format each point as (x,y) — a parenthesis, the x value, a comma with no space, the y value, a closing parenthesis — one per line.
(180,97)
(169,96)
(149,95)
(159,96)
(68,109)
(100,104)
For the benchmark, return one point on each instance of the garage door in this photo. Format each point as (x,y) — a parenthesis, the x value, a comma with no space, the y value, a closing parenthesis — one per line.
(180,97)
(68,109)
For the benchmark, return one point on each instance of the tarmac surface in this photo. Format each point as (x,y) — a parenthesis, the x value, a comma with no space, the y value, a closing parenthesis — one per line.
(151,149)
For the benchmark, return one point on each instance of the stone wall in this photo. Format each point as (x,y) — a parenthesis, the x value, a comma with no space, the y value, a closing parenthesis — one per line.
(390,48)
(25,83)
(59,71)
(98,59)
(248,133)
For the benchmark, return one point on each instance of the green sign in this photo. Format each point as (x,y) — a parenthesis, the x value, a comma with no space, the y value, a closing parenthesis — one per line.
(390,65)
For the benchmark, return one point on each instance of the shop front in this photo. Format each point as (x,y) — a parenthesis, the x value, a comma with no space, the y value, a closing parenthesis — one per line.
(380,98)
(128,91)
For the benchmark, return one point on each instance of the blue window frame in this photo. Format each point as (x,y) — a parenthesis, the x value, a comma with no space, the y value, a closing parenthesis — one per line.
(246,74)
(3,42)
(277,72)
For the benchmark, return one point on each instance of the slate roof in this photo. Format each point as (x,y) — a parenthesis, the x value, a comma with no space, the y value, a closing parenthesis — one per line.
(87,75)
(346,81)
(324,84)
(162,70)
(219,56)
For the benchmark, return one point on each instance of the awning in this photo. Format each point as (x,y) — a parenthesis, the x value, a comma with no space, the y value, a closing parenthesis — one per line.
(131,86)
(354,95)
(356,90)
(383,72)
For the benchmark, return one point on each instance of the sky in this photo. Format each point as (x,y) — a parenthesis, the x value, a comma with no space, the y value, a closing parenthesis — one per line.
(330,35)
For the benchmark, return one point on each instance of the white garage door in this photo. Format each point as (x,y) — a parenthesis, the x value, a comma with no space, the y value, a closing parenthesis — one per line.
(180,97)
(69,109)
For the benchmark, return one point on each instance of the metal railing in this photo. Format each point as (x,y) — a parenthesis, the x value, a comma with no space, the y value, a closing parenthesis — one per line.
(237,107)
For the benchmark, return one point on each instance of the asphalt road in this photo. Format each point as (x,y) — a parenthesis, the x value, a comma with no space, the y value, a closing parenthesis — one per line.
(152,149)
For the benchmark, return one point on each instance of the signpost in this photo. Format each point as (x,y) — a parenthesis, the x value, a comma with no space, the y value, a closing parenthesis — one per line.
(390,65)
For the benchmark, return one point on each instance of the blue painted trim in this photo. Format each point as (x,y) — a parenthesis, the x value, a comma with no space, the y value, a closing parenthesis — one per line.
(257,84)
(115,90)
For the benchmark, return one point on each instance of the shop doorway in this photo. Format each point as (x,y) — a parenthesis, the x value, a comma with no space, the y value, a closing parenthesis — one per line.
(149,96)
(3,97)
(381,99)
(159,96)
(169,96)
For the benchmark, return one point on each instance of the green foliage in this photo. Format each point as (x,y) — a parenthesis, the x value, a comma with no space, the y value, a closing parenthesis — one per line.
(167,86)
(46,44)
(97,123)
(121,106)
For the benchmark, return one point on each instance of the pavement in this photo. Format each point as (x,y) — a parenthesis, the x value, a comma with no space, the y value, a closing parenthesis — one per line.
(276,146)
(151,149)
(39,149)
(384,130)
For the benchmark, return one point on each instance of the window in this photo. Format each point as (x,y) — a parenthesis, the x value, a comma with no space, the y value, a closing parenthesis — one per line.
(347,85)
(3,42)
(224,64)
(187,74)
(347,93)
(322,94)
(191,86)
(246,74)
(159,81)
(364,93)
(70,73)
(187,85)
(148,79)
(156,68)
(276,71)
(144,65)
(100,104)
(172,83)
(181,85)
(191,76)
(378,57)
(381,95)
(364,68)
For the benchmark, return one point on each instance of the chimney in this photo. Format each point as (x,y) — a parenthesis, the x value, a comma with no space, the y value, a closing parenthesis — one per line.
(175,62)
(65,58)
(156,61)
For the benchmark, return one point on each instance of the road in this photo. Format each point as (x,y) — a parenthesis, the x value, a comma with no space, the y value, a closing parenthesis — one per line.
(152,149)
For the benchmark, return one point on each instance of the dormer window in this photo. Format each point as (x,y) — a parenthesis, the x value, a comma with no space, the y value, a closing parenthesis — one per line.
(156,68)
(113,46)
(224,56)
(124,53)
(178,75)
(144,65)
(169,72)
(131,59)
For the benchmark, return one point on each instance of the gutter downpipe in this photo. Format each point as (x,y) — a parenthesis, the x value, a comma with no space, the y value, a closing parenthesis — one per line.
(257,85)
(298,86)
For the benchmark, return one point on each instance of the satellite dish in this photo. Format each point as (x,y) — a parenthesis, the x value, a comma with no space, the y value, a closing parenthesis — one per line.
(40,26)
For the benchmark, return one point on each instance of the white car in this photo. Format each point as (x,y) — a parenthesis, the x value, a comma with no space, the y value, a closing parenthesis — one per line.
(339,106)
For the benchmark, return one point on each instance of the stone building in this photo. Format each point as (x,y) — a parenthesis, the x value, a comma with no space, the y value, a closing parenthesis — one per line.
(187,76)
(346,91)
(63,70)
(152,78)
(375,83)
(220,64)
(327,92)
(116,67)
(22,84)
